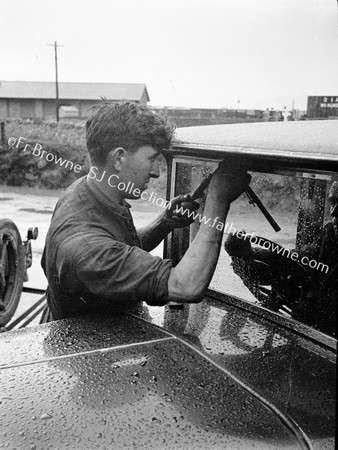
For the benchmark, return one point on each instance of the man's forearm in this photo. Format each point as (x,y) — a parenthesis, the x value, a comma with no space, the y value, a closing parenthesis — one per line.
(189,279)
(153,234)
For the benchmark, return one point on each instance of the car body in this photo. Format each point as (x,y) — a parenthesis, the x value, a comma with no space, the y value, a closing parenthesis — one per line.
(229,372)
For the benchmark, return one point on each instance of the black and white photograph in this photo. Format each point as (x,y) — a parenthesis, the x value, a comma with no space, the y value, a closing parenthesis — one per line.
(168,224)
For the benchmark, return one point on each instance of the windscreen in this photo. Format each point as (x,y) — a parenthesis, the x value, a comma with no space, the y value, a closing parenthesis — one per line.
(292,272)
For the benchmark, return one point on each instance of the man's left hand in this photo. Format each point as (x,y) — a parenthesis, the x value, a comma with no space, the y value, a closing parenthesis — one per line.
(180,212)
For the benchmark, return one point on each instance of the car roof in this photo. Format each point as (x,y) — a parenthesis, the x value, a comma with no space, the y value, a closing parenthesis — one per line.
(298,143)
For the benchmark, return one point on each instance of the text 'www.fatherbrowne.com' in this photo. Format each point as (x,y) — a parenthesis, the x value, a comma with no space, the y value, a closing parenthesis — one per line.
(256,240)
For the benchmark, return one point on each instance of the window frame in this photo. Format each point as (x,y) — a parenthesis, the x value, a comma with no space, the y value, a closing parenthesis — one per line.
(178,241)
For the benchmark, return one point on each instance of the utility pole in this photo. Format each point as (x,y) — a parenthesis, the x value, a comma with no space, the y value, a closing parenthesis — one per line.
(55,45)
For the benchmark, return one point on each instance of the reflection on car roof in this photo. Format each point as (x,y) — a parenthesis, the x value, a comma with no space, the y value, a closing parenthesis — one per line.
(314,139)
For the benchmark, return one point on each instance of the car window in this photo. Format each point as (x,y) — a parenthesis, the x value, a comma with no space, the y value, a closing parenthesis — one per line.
(292,272)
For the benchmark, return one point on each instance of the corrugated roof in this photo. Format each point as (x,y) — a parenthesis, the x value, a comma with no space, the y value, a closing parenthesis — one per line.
(72,91)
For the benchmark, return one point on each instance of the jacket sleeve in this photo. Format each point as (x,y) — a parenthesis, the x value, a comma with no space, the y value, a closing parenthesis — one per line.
(116,271)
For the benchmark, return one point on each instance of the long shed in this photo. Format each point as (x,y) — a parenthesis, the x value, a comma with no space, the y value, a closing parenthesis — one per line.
(36,99)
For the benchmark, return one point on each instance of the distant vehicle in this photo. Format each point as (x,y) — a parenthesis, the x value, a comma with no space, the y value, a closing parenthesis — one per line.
(251,367)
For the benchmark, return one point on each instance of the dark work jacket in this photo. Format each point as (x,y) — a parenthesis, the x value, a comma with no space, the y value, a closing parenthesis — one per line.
(93,259)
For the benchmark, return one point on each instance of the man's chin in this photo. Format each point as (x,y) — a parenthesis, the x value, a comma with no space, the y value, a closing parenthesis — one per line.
(134,195)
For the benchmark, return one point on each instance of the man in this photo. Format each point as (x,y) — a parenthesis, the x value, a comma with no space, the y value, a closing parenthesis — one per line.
(94,259)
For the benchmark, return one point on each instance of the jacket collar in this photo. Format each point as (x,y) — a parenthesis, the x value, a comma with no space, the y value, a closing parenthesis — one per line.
(112,206)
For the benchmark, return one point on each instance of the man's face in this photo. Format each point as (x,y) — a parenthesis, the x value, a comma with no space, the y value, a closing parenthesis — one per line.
(139,167)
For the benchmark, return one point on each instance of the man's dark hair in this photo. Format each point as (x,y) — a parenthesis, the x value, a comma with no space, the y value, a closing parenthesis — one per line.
(125,124)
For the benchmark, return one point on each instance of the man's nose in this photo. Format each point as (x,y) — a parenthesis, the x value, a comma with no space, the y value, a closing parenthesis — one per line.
(155,171)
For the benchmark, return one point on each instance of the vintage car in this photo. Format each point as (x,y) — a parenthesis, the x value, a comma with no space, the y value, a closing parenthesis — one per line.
(253,366)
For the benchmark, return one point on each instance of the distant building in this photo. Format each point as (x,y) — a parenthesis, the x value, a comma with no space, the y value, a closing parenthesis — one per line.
(189,117)
(323,107)
(272,115)
(36,99)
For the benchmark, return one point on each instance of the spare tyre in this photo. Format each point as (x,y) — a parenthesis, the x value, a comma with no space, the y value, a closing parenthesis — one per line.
(12,269)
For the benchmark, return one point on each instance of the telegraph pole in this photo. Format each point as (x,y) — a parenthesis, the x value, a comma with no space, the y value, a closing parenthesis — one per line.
(55,45)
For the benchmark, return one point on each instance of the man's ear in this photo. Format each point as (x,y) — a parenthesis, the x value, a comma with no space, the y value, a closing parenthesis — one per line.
(116,157)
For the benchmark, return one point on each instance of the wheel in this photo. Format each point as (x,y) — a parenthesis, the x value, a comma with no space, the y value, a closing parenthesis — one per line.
(12,269)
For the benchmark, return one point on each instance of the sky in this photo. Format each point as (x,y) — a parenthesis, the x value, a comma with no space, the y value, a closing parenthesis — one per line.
(251,54)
